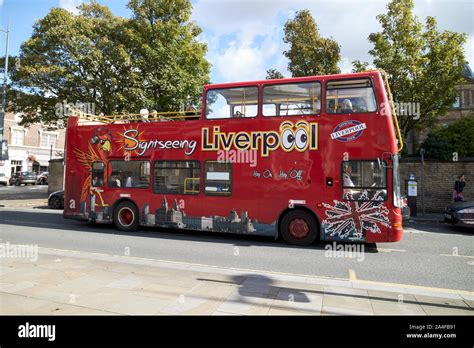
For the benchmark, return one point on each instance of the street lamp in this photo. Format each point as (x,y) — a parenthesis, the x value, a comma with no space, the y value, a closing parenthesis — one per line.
(4,97)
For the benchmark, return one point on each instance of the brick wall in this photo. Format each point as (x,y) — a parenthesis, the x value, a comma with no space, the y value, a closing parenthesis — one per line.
(439,181)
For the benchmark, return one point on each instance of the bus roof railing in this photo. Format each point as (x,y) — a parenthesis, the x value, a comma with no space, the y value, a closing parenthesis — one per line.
(152,116)
(392,105)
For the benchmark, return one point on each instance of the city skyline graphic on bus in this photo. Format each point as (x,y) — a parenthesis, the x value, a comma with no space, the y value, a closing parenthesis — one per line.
(175,217)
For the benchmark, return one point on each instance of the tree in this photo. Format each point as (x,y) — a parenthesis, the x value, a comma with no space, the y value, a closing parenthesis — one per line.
(423,64)
(358,66)
(118,65)
(274,74)
(309,53)
(167,53)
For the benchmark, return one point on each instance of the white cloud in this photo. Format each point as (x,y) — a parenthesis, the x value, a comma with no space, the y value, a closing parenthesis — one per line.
(470,50)
(1,3)
(245,36)
(240,63)
(70,5)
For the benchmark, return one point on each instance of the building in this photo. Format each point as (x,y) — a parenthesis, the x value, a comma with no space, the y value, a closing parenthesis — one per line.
(30,148)
(464,104)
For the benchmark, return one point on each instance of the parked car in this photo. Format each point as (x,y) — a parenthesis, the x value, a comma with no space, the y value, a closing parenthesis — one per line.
(461,213)
(56,200)
(20,178)
(42,178)
(4,180)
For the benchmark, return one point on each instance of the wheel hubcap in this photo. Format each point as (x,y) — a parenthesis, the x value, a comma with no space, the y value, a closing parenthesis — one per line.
(299,228)
(126,217)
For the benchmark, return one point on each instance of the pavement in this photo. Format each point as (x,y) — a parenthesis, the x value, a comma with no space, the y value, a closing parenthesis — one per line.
(63,282)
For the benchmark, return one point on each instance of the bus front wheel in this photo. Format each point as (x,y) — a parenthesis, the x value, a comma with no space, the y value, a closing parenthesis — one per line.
(126,216)
(298,227)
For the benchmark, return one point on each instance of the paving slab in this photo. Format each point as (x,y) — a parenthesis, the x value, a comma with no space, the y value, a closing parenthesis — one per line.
(75,283)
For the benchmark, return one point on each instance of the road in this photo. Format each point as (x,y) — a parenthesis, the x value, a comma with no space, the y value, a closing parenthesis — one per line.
(430,255)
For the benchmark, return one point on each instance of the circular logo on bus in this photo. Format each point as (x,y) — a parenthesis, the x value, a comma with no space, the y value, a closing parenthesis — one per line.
(348,130)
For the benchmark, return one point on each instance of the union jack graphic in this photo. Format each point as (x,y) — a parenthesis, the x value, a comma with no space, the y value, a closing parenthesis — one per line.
(351,220)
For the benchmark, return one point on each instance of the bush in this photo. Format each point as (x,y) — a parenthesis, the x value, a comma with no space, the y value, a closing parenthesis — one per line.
(457,137)
(438,147)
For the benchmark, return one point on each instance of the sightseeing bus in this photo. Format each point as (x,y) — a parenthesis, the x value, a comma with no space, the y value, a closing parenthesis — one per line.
(304,159)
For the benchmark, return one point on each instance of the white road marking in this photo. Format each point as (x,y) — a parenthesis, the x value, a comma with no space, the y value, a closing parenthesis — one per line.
(385,250)
(470,257)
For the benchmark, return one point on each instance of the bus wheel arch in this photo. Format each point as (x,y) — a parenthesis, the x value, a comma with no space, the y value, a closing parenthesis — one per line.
(299,226)
(126,215)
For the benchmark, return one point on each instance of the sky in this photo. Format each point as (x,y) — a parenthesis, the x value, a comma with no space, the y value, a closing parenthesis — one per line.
(245,37)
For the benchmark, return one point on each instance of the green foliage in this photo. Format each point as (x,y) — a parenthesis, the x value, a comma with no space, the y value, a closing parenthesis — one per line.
(358,66)
(457,137)
(424,65)
(274,74)
(152,60)
(437,147)
(309,53)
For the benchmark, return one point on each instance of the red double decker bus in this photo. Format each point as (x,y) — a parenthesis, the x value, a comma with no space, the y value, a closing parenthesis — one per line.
(302,158)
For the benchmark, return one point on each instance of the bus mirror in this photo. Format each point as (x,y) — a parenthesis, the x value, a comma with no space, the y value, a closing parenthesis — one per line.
(386,158)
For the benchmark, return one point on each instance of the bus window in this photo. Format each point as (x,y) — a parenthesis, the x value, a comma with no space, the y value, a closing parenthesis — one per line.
(350,96)
(176,177)
(98,174)
(218,178)
(292,99)
(231,102)
(363,181)
(130,174)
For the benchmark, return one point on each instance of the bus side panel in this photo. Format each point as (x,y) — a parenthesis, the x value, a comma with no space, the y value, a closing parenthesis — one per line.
(75,172)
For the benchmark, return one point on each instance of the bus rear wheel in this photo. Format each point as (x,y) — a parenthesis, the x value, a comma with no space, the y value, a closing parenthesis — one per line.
(298,227)
(126,216)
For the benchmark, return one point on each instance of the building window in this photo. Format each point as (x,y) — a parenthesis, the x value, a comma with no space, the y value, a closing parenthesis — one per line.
(292,99)
(232,102)
(176,177)
(48,140)
(363,180)
(218,178)
(350,96)
(18,136)
(129,174)
(457,102)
